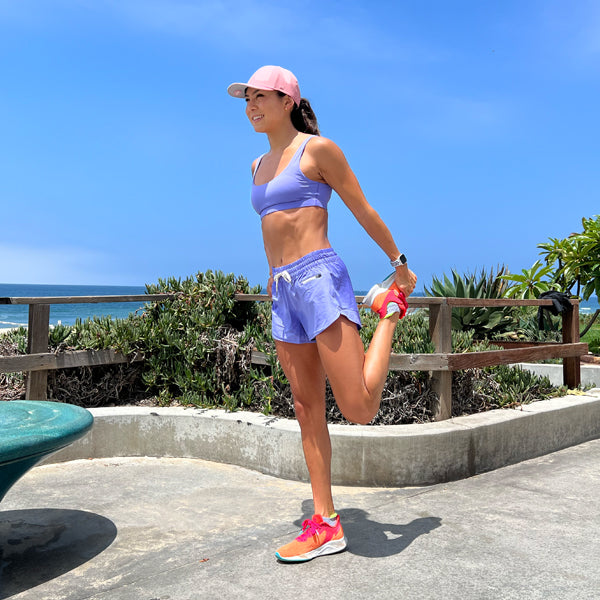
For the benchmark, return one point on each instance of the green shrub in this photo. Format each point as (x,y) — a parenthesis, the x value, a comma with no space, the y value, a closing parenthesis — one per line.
(518,386)
(590,326)
(411,335)
(503,386)
(526,327)
(592,338)
(16,338)
(12,343)
(198,343)
(58,335)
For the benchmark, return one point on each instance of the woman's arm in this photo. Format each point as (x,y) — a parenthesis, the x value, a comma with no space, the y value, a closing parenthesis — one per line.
(335,170)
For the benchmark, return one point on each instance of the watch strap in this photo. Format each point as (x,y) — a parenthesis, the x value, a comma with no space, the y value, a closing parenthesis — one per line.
(401,260)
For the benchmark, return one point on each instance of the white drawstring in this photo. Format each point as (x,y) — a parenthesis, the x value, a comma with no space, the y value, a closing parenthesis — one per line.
(286,276)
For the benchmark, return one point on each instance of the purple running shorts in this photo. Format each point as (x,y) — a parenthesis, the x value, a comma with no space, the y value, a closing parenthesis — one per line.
(309,295)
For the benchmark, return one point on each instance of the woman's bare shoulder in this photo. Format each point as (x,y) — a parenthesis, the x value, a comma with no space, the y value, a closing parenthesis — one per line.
(324,148)
(323,143)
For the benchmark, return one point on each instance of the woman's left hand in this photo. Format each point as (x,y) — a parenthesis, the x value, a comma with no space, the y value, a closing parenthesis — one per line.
(406,280)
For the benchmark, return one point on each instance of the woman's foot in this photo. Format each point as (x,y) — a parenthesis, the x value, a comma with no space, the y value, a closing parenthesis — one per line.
(386,299)
(317,539)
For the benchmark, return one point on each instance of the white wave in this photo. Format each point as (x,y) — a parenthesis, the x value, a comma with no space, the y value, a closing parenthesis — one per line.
(10,324)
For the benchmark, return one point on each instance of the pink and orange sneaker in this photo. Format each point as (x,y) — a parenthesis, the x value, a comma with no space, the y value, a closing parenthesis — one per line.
(386,298)
(317,539)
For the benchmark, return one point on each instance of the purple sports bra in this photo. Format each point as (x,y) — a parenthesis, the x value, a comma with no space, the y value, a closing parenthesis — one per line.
(290,189)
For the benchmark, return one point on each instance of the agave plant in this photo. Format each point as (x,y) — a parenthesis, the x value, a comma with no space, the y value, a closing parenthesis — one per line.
(484,322)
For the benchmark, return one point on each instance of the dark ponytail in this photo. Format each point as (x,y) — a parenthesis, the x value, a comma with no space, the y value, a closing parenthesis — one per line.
(303,117)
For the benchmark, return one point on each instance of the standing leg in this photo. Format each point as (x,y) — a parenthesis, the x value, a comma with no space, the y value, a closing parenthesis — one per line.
(303,369)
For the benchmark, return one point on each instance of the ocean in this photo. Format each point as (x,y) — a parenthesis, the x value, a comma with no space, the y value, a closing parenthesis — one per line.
(15,315)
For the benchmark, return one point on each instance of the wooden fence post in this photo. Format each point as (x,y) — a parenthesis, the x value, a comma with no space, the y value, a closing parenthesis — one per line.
(440,328)
(37,341)
(570,334)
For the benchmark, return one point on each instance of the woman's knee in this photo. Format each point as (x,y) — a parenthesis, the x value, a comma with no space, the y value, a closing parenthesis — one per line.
(308,409)
(358,409)
(359,415)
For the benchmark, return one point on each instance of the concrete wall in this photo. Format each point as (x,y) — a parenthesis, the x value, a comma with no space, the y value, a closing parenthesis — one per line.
(395,455)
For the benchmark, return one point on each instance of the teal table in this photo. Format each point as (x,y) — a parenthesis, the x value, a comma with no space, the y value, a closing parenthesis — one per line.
(31,430)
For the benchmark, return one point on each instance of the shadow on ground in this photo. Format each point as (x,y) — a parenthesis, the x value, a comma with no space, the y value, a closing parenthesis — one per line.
(373,539)
(39,545)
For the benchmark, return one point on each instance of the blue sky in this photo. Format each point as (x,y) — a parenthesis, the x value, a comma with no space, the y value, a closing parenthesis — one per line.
(471,125)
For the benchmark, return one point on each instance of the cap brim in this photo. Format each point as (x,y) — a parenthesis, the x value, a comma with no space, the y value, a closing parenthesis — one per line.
(237,90)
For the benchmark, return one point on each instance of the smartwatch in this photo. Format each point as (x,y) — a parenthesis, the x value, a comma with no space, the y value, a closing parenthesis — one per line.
(401,260)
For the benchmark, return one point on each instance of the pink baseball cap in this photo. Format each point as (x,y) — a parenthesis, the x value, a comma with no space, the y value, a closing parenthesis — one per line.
(269,78)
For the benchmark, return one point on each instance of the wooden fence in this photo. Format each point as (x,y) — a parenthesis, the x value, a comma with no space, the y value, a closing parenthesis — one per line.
(444,361)
(38,361)
(441,363)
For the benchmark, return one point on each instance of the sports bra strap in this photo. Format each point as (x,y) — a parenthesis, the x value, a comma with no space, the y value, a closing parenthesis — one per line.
(257,165)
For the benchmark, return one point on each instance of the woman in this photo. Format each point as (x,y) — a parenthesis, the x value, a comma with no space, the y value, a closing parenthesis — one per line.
(315,316)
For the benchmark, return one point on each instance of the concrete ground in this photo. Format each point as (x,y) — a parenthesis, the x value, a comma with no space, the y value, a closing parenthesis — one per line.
(178,529)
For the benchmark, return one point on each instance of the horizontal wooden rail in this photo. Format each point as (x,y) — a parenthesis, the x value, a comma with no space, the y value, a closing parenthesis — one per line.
(84,299)
(426,301)
(490,358)
(468,360)
(48,361)
(416,302)
(496,302)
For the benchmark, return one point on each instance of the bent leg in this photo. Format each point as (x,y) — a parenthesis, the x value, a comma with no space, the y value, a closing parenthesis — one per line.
(303,369)
(356,378)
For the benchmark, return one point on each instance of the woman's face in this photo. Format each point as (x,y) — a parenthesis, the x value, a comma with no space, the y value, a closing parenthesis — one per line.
(266,109)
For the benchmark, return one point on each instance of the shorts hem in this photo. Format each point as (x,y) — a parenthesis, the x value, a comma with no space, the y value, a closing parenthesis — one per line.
(294,341)
(349,314)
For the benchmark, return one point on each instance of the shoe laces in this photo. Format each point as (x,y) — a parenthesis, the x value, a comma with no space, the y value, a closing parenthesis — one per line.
(309,528)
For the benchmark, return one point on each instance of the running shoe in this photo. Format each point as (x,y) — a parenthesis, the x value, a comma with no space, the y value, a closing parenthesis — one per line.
(317,539)
(386,298)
